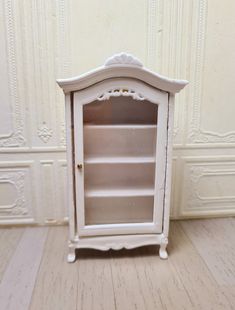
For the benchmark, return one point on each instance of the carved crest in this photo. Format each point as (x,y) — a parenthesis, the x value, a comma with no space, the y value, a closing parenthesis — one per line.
(120,92)
(123,59)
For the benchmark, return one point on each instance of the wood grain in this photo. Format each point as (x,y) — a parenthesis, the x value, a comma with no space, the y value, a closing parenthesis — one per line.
(215,242)
(9,238)
(56,285)
(199,283)
(143,281)
(125,279)
(19,278)
(95,286)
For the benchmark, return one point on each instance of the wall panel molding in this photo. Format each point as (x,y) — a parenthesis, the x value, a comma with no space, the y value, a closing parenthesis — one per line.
(196,133)
(18,175)
(153,11)
(15,138)
(208,186)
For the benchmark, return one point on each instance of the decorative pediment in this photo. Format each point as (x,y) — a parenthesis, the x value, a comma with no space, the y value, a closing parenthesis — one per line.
(122,65)
(123,59)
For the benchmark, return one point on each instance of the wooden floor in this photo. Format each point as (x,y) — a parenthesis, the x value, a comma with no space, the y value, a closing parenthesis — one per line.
(199,274)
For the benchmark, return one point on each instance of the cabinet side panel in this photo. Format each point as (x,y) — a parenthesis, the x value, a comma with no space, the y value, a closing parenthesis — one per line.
(168,165)
(79,161)
(160,171)
(70,169)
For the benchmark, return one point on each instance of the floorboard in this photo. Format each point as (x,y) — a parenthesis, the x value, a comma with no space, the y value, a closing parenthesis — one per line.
(56,285)
(198,281)
(199,274)
(215,241)
(9,239)
(20,275)
(95,288)
(143,281)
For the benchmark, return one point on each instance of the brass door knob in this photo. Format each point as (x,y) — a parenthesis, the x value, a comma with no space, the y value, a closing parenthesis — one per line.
(79,166)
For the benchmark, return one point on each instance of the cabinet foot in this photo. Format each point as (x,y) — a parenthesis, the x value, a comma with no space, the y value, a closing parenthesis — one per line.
(71,256)
(162,251)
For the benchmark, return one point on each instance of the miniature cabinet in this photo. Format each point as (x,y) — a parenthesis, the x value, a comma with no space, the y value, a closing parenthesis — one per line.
(119,122)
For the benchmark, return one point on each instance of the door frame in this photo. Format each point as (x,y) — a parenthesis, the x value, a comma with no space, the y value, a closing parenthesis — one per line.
(89,95)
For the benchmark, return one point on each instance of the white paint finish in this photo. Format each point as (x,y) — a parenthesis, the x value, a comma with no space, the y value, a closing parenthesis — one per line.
(61,197)
(117,242)
(117,85)
(17,178)
(7,192)
(214,240)
(220,32)
(121,178)
(78,159)
(168,156)
(120,192)
(19,278)
(70,191)
(125,79)
(125,70)
(120,160)
(207,185)
(48,192)
(12,102)
(5,116)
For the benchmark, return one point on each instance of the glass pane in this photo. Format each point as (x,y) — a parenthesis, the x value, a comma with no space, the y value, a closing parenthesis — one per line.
(119,160)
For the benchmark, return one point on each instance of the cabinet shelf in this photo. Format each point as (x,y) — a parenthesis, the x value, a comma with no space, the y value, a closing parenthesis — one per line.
(119,160)
(119,126)
(120,192)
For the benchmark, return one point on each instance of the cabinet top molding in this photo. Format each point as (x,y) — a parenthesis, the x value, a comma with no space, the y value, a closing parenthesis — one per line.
(121,65)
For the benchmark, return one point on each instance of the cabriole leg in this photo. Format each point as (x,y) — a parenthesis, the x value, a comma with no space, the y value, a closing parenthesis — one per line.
(162,251)
(71,255)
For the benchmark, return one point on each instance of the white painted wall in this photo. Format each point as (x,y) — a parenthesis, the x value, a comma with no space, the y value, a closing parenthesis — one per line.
(43,40)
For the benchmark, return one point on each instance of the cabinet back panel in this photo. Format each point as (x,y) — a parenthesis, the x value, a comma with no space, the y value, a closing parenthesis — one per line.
(119,175)
(120,110)
(119,141)
(114,210)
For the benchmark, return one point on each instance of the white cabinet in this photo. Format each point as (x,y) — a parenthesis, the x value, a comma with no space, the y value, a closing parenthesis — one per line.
(119,121)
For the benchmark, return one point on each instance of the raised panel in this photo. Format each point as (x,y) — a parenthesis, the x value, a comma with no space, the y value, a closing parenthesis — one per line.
(15,192)
(210,118)
(5,115)
(217,112)
(48,191)
(11,119)
(208,186)
(61,197)
(7,193)
(217,184)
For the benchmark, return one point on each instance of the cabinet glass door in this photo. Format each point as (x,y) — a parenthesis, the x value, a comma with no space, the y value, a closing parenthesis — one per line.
(116,159)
